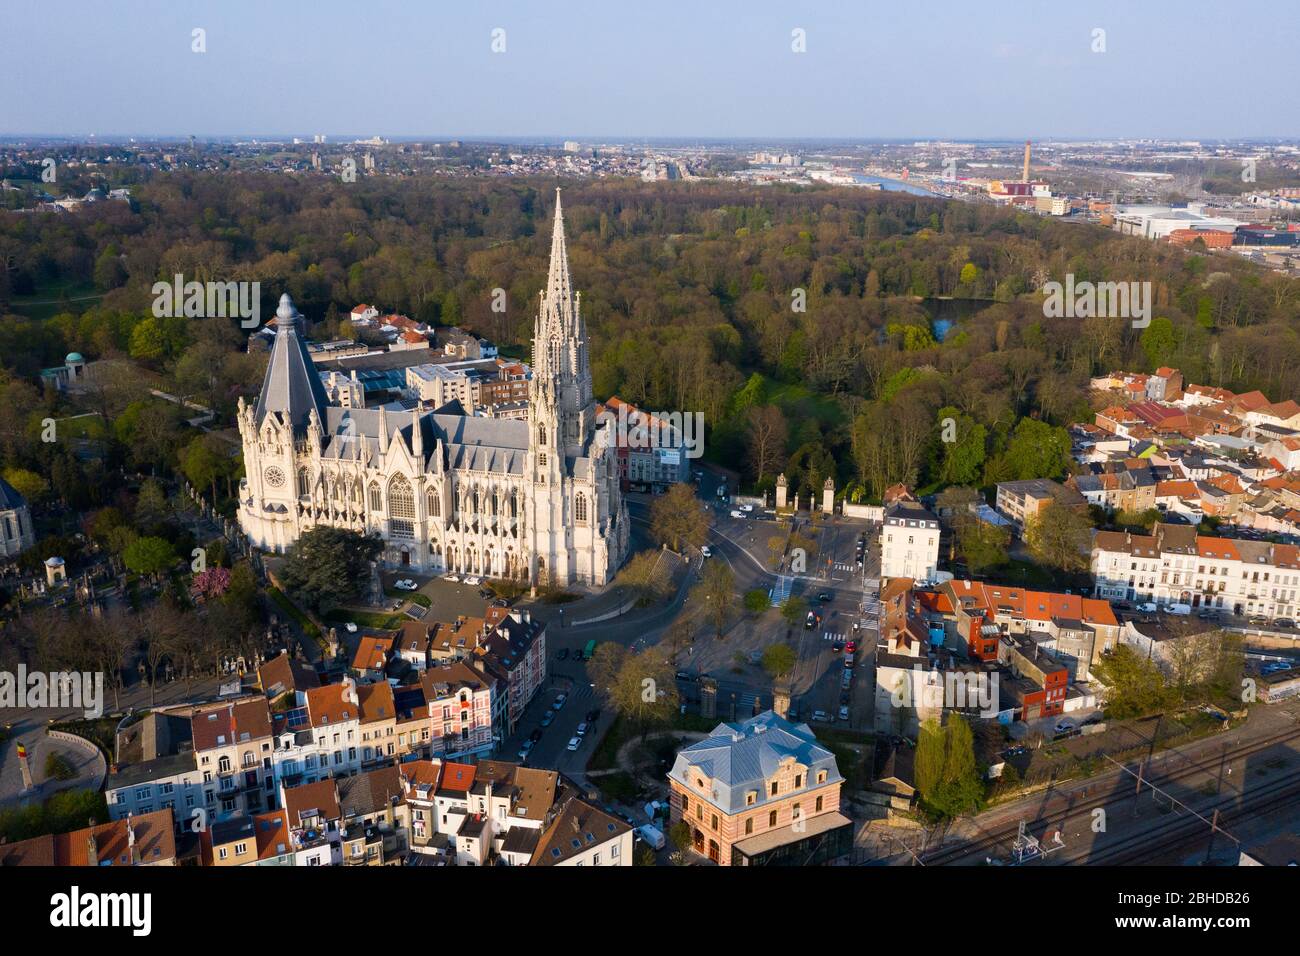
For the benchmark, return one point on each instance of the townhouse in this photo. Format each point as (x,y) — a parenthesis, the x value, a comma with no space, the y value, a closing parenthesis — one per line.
(233,751)
(909,542)
(1175,565)
(461,701)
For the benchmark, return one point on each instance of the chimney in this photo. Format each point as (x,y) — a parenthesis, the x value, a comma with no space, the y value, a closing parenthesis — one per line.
(130,841)
(92,849)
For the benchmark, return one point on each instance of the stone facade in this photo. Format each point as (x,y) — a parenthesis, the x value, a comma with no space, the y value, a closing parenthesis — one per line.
(536,500)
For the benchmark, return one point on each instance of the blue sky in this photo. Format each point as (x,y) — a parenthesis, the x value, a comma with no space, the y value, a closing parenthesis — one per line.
(650,68)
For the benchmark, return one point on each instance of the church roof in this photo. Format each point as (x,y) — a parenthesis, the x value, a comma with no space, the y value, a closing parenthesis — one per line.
(10,499)
(292,385)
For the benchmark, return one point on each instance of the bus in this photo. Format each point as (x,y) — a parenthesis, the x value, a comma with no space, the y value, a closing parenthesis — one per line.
(589,650)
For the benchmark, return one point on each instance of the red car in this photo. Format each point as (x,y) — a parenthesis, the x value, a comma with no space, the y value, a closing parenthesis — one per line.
(850,647)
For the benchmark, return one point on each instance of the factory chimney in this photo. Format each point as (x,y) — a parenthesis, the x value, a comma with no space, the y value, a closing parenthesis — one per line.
(1024,178)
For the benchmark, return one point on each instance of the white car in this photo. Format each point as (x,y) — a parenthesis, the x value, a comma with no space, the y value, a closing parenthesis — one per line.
(452,578)
(844,712)
(574,743)
(737,514)
(525,750)
(406,584)
(582,729)
(747,508)
(706,551)
(350,627)
(821,716)
(473,580)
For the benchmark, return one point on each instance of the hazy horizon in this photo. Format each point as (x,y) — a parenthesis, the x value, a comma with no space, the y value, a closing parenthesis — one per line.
(672,71)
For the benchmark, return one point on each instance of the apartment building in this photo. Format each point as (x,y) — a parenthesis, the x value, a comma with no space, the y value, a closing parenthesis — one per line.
(1175,565)
(461,702)
(233,750)
(761,792)
(1021,501)
(909,542)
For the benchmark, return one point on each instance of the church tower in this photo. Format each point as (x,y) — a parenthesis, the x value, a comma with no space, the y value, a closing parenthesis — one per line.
(560,394)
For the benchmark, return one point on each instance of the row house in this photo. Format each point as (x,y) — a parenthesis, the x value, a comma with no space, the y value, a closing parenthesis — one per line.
(233,750)
(461,703)
(1175,565)
(374,651)
(1078,630)
(514,649)
(315,822)
(322,738)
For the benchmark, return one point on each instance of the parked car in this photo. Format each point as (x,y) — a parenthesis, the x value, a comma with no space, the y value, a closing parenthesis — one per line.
(1258,620)
(682,675)
(574,743)
(821,716)
(706,551)
(737,514)
(525,749)
(1284,622)
(747,508)
(351,627)
(562,654)
(593,715)
(844,712)
(1147,607)
(559,701)
(406,584)
(536,735)
(452,578)
(473,580)
(547,718)
(582,729)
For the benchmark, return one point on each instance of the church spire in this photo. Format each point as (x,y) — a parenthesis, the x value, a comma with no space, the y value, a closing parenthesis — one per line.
(292,385)
(557,280)
(561,387)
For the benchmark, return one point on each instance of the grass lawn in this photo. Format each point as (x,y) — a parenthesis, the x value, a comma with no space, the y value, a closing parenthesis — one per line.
(378,621)
(55,297)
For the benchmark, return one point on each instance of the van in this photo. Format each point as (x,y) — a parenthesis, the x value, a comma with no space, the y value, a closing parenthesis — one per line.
(653,836)
(1179,609)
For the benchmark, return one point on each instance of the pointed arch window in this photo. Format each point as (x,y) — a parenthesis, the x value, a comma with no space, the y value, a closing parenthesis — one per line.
(541,435)
(376,500)
(580,508)
(401,502)
(401,508)
(304,483)
(434,503)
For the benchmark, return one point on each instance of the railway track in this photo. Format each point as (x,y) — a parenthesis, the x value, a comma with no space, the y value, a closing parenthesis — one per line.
(1001,837)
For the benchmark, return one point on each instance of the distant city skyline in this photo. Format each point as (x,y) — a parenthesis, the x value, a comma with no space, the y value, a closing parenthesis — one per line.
(591,71)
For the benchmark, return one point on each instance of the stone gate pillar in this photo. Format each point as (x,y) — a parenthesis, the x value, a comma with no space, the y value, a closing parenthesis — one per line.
(782,492)
(828,496)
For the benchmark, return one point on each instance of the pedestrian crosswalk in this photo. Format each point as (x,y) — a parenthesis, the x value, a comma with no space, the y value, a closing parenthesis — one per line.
(844,567)
(781,590)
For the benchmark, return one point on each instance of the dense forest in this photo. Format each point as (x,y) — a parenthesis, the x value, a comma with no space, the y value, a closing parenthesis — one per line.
(798,320)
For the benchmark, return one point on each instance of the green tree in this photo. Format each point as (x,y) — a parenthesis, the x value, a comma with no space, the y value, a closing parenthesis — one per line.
(1138,688)
(28,484)
(779,660)
(715,594)
(149,556)
(757,601)
(329,566)
(679,519)
(1059,537)
(793,609)
(1037,450)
